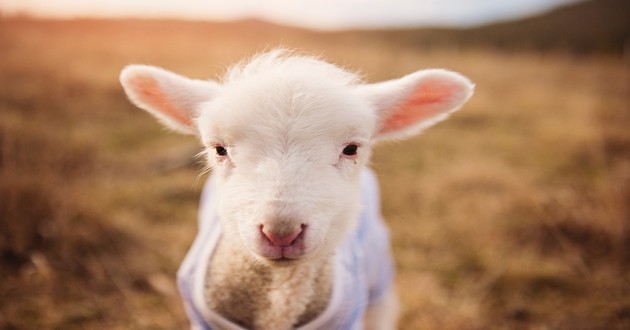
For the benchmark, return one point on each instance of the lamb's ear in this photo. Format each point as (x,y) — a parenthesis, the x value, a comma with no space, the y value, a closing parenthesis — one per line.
(171,98)
(414,102)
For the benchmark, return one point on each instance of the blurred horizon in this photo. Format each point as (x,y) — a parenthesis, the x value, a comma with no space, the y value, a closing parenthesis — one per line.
(310,14)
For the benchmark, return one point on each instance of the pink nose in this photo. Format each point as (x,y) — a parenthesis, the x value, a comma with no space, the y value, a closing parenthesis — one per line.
(281,239)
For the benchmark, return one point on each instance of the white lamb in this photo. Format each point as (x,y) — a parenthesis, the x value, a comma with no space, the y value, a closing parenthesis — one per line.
(290,229)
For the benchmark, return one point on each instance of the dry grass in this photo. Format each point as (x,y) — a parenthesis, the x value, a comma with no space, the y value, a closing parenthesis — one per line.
(513,214)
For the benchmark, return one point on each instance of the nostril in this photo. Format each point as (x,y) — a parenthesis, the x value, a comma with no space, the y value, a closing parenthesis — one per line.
(280,238)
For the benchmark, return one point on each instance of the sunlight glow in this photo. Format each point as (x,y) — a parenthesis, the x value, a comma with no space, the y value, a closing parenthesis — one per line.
(316,14)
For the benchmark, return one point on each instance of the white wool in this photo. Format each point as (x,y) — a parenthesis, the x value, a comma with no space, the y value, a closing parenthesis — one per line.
(285,63)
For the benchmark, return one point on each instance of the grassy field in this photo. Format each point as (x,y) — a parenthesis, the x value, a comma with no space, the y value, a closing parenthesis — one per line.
(514,214)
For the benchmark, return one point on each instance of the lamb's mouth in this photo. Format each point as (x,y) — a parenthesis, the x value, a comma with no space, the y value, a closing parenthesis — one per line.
(284,258)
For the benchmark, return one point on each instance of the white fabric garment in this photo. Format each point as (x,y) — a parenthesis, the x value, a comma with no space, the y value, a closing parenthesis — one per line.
(363,267)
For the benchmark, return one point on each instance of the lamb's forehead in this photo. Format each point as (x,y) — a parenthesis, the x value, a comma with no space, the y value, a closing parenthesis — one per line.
(275,95)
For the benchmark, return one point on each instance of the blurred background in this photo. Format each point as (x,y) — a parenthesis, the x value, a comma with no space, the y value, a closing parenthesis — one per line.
(514,214)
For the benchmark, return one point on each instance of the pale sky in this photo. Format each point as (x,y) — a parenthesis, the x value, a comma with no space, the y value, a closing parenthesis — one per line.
(314,14)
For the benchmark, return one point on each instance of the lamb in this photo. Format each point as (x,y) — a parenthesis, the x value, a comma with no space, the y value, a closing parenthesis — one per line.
(290,231)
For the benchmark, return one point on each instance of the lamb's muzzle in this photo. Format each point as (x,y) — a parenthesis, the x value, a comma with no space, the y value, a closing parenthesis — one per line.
(280,243)
(281,238)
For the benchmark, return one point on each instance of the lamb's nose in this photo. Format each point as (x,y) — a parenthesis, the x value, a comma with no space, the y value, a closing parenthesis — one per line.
(281,238)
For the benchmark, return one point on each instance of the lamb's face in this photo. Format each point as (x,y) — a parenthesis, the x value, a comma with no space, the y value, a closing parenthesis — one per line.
(287,137)
(288,158)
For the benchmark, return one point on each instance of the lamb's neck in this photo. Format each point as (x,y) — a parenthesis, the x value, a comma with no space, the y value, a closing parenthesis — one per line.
(260,296)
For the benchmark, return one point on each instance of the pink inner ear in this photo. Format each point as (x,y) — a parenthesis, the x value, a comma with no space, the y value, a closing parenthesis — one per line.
(150,93)
(432,97)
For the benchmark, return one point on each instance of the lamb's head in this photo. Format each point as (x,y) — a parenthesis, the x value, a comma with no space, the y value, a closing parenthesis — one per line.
(287,137)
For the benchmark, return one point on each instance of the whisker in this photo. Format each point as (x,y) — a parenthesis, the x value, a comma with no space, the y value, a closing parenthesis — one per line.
(201,157)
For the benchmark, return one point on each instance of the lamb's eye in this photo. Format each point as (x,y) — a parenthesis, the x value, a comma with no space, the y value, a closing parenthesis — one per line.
(350,150)
(221,151)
